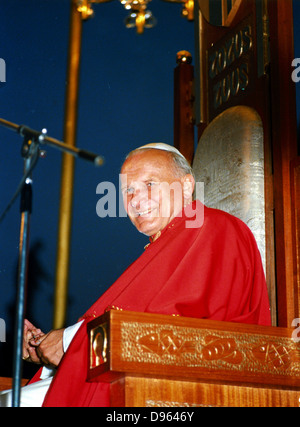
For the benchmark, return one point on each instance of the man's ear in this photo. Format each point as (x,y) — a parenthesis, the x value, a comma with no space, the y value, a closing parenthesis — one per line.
(188,185)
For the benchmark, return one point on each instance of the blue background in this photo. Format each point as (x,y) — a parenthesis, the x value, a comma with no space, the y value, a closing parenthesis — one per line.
(126,100)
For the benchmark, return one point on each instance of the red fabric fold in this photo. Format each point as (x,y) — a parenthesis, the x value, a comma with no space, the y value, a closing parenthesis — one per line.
(212,272)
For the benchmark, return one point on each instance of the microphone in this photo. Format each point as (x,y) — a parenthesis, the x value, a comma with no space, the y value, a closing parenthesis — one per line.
(43,138)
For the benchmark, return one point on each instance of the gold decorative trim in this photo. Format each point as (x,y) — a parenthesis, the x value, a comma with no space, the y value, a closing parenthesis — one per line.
(203,348)
(150,403)
(98,346)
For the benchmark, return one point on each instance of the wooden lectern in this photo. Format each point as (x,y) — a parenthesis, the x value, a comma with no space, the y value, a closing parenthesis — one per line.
(154,360)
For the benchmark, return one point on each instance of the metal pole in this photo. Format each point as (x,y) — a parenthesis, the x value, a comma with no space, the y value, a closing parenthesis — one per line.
(26,198)
(30,152)
(67,179)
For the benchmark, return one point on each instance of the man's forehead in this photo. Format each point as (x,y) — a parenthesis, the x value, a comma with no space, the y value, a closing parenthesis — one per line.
(140,168)
(147,168)
(151,159)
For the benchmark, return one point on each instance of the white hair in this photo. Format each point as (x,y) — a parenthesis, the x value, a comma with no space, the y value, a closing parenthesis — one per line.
(181,164)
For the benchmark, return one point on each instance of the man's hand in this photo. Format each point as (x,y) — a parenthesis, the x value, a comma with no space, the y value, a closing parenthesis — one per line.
(42,348)
(29,351)
(49,347)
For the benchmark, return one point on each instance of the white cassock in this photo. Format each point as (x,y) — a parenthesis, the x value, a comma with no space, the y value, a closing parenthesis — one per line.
(33,395)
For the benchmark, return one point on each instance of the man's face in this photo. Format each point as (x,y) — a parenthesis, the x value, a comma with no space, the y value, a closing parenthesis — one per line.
(152,191)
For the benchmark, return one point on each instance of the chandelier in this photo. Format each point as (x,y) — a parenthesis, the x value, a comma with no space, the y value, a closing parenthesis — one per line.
(139,15)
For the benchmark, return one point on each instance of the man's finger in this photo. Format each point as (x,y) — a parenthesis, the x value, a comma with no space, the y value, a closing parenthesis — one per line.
(33,357)
(37,340)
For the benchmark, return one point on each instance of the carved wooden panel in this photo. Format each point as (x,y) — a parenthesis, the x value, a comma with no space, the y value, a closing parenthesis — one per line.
(232,67)
(174,347)
(155,392)
(182,348)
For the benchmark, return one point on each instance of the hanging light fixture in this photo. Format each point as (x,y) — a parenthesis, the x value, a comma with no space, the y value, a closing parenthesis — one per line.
(86,9)
(139,16)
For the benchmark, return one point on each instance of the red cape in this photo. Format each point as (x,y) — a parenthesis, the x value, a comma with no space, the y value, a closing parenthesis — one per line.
(212,272)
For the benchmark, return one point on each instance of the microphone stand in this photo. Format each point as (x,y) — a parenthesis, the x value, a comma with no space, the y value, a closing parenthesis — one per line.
(30,152)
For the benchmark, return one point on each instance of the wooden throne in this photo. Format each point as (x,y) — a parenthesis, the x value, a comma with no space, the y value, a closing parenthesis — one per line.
(242,74)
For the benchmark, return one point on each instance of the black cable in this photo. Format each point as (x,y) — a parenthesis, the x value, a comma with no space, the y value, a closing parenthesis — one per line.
(33,163)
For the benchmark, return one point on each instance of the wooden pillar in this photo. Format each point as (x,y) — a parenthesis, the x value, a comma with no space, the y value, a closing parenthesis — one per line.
(67,178)
(184,120)
(295,183)
(284,144)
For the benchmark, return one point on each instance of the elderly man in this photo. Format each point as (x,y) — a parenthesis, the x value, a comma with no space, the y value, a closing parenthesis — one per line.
(200,263)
